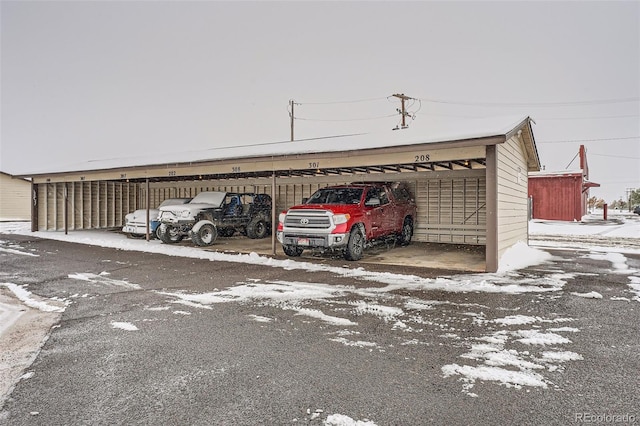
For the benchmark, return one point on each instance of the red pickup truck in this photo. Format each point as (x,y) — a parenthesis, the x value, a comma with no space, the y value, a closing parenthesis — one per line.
(348,218)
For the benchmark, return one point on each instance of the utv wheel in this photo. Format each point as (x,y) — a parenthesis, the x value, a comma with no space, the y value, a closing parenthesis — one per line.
(169,234)
(292,251)
(407,232)
(205,236)
(257,228)
(355,246)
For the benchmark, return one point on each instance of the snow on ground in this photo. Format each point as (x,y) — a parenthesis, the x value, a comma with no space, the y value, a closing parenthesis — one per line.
(517,352)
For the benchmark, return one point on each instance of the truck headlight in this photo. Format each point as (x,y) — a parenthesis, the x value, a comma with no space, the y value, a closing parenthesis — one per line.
(281,217)
(341,218)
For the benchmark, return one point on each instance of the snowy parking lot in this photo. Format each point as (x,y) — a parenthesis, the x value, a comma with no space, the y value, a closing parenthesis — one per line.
(553,337)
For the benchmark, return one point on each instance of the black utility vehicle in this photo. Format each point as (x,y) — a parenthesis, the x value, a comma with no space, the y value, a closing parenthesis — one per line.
(212,214)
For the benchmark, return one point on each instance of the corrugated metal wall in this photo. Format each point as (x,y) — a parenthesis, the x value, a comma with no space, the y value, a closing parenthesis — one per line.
(91,205)
(452,209)
(15,198)
(451,204)
(557,197)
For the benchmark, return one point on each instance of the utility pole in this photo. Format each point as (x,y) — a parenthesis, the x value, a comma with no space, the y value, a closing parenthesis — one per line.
(291,104)
(402,110)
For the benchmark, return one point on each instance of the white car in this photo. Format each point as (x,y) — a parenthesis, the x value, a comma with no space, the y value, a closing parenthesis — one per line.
(136,222)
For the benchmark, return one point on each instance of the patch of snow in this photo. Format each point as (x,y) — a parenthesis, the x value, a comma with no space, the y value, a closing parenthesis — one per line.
(537,337)
(516,320)
(618,261)
(26,297)
(520,256)
(124,326)
(260,318)
(27,375)
(20,252)
(103,279)
(359,343)
(635,287)
(561,356)
(508,378)
(590,295)
(314,313)
(342,420)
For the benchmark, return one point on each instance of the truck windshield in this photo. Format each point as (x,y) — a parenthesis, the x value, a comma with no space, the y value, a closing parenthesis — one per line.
(336,196)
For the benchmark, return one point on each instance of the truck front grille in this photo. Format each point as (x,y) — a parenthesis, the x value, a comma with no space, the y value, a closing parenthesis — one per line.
(307,221)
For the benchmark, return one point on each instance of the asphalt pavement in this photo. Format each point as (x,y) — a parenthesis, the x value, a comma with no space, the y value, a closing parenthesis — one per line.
(129,349)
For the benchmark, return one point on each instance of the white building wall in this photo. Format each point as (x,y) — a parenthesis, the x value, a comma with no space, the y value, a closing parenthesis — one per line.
(15,198)
(512,223)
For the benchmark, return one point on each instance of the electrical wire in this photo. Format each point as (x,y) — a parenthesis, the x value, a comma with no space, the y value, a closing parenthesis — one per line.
(346,119)
(615,156)
(589,118)
(339,102)
(590,140)
(534,104)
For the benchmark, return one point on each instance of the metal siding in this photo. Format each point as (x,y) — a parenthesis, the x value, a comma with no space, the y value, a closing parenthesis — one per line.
(15,198)
(451,209)
(557,197)
(512,223)
(451,204)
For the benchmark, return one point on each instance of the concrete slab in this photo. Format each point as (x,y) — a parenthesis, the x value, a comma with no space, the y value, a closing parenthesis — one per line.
(417,254)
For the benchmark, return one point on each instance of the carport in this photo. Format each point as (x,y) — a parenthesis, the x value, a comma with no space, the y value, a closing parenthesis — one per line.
(469,179)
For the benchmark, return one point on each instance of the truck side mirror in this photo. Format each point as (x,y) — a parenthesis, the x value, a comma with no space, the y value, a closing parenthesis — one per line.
(304,200)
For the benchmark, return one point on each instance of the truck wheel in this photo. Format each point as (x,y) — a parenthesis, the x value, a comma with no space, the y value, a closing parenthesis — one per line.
(205,236)
(257,228)
(407,232)
(292,251)
(355,246)
(169,234)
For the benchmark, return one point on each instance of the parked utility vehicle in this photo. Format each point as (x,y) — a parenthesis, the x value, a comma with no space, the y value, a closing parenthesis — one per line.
(212,214)
(348,218)
(135,223)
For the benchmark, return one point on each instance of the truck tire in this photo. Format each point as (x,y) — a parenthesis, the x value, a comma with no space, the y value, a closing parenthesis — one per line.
(257,228)
(292,251)
(355,246)
(205,235)
(407,232)
(168,234)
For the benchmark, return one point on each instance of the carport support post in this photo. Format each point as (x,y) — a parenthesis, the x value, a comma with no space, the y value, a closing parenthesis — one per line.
(34,206)
(491,248)
(273,213)
(65,210)
(147,201)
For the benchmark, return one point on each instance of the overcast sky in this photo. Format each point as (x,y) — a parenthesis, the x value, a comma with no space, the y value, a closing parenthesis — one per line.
(96,80)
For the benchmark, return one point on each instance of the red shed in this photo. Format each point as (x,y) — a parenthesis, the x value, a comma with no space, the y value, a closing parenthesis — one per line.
(561,195)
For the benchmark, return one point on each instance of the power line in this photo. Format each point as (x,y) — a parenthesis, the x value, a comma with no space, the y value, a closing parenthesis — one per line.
(615,156)
(533,104)
(347,119)
(590,140)
(590,118)
(341,102)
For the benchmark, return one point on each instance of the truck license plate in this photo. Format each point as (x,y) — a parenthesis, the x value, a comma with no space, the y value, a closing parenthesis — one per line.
(303,241)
